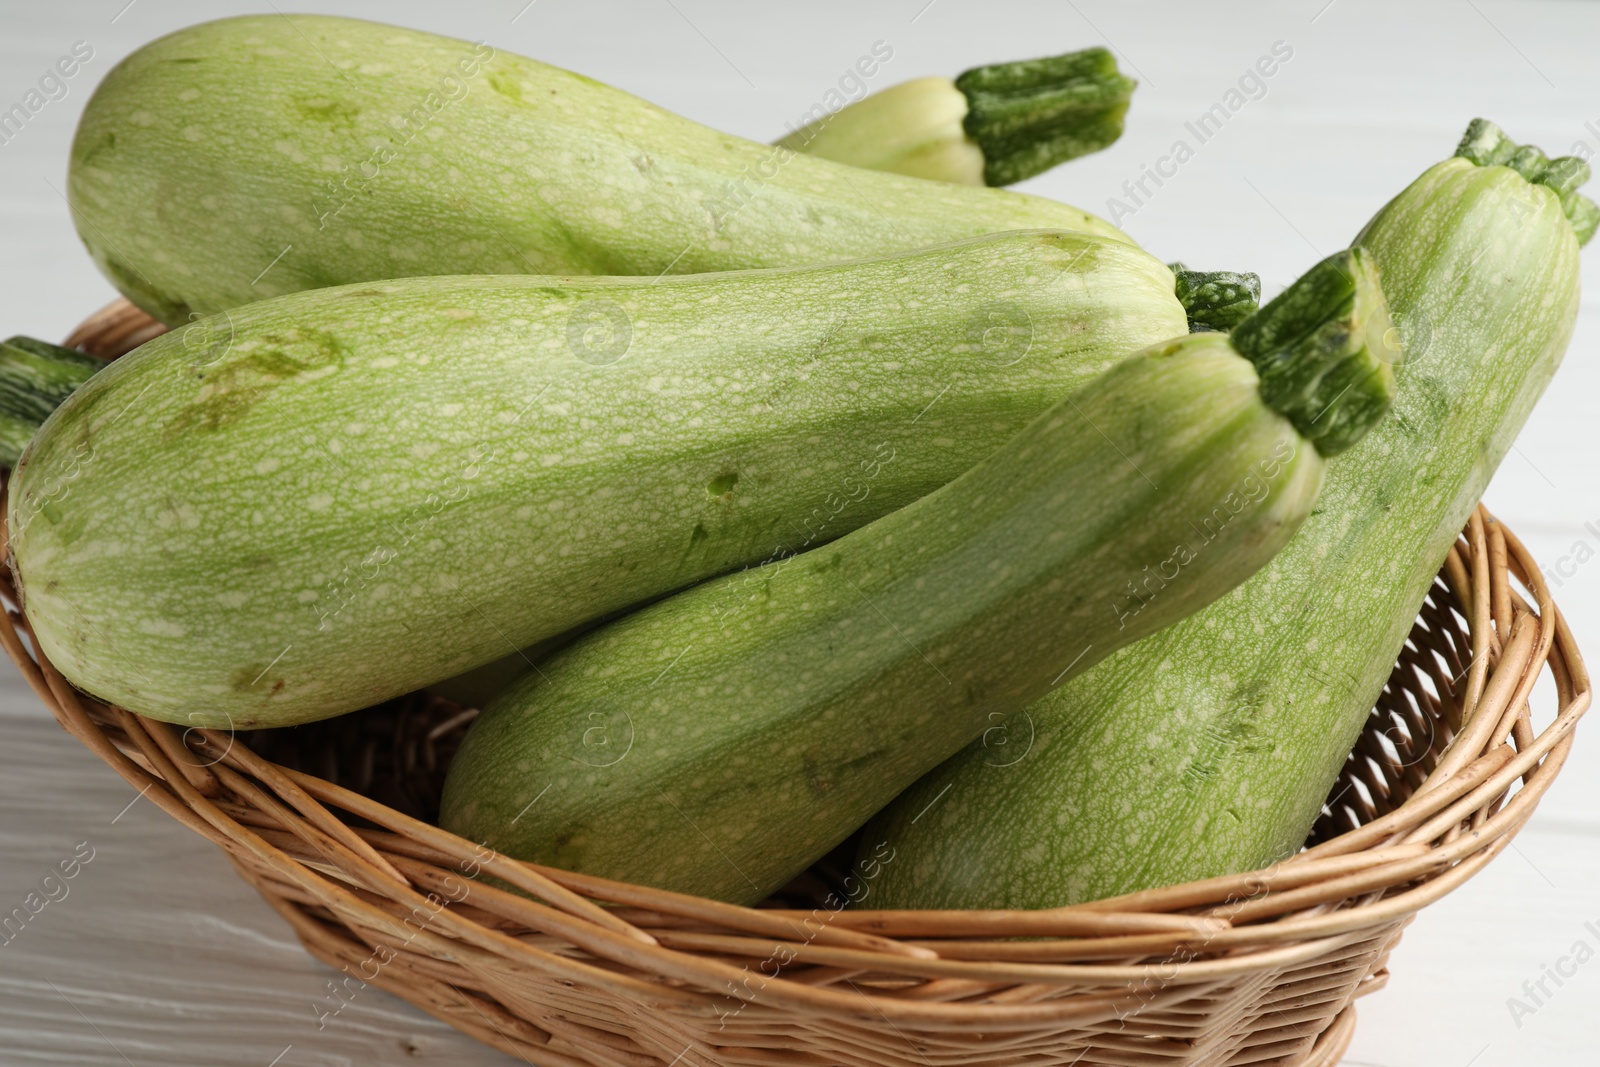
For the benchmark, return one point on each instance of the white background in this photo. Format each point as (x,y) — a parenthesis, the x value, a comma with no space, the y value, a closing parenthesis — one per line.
(161,956)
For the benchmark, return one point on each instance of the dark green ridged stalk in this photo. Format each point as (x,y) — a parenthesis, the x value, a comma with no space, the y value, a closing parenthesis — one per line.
(1323,348)
(1215,299)
(1030,115)
(1487,145)
(35,377)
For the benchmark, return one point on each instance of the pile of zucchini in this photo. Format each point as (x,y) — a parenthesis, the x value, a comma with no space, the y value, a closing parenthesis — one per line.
(806,486)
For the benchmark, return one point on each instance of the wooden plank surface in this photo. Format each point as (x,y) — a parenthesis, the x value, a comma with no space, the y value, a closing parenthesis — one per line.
(159,955)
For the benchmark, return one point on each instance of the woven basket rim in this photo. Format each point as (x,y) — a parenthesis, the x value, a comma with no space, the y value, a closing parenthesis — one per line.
(343,887)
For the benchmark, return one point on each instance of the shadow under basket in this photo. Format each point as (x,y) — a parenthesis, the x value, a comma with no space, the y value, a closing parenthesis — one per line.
(1256,968)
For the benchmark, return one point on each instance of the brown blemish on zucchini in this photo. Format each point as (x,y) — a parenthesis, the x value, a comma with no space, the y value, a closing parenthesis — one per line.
(230,389)
(244,677)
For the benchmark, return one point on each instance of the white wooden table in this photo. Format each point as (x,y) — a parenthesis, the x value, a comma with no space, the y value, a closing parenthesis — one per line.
(159,955)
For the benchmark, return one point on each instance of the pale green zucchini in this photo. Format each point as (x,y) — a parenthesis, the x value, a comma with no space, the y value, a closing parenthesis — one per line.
(36,376)
(1210,748)
(993,125)
(1212,300)
(721,740)
(313,503)
(261,155)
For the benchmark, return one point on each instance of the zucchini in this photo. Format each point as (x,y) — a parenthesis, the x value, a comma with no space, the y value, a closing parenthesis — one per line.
(1211,747)
(316,502)
(35,377)
(721,740)
(262,155)
(993,125)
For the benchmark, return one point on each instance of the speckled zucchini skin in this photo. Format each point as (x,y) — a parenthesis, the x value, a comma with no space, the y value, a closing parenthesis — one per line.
(316,502)
(1210,747)
(720,741)
(256,156)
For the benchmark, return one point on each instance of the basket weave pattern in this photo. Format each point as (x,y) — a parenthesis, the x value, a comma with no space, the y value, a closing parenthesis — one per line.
(571,970)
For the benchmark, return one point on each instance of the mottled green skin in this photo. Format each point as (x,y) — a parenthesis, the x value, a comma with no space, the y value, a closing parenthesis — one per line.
(35,377)
(1029,116)
(1210,747)
(1217,299)
(207,154)
(236,488)
(720,741)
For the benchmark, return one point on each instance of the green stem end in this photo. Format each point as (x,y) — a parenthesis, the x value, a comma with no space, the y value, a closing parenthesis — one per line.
(1032,114)
(1487,145)
(1326,349)
(35,377)
(1215,300)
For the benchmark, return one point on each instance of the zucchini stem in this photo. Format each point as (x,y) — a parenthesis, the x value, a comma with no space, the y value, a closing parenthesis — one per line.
(35,377)
(1215,300)
(1487,145)
(1028,116)
(1325,349)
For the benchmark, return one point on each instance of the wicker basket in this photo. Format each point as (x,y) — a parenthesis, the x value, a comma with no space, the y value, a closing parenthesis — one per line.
(1250,969)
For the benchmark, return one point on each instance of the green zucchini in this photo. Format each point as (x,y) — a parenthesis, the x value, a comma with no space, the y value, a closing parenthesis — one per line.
(35,377)
(721,740)
(316,502)
(1211,747)
(262,155)
(1212,300)
(993,125)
